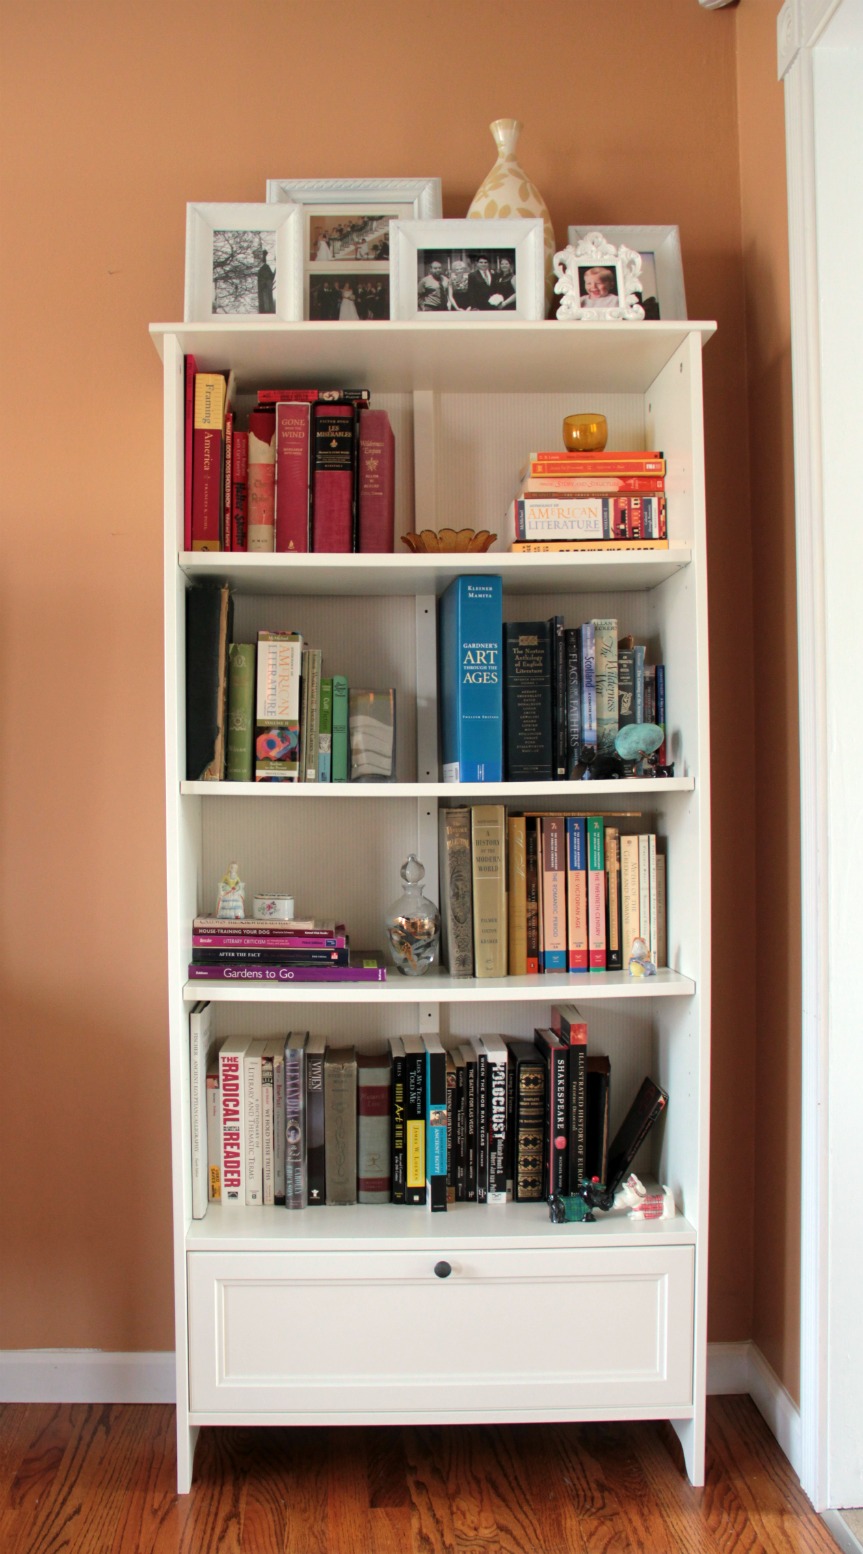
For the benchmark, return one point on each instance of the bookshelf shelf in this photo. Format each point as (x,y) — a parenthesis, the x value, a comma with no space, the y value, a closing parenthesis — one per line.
(436,987)
(467,402)
(571,794)
(389,576)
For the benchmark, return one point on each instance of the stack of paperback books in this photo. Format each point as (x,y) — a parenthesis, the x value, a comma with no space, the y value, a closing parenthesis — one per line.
(575,501)
(299,1122)
(306,470)
(525,894)
(247,949)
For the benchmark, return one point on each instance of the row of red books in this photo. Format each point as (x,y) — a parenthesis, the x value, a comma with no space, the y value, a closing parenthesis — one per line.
(312,470)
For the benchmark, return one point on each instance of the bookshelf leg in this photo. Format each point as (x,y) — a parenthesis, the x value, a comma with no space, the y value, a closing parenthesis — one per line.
(187,1440)
(690,1433)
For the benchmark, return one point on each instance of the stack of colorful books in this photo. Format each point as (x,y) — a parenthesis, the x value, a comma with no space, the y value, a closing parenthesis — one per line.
(576,501)
(246,949)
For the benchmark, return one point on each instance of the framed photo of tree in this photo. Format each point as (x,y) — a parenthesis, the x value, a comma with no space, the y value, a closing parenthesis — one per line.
(243,261)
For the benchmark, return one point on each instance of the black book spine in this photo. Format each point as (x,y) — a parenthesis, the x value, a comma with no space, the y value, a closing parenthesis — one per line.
(216,957)
(481,1127)
(316,1151)
(531,877)
(573,700)
(558,650)
(497,1132)
(558,1111)
(528,754)
(470,1131)
(460,1131)
(451,1106)
(529,1103)
(625,687)
(576,1058)
(415,1172)
(399,1128)
(645,1110)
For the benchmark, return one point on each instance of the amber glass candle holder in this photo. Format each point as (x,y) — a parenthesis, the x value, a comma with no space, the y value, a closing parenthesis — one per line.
(586,433)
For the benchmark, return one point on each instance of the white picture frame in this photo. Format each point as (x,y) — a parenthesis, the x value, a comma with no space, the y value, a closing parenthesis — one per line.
(224,244)
(598,282)
(661,264)
(346,236)
(417,246)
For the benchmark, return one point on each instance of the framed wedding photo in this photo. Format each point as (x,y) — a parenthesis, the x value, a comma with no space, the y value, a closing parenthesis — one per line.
(346,238)
(473,270)
(662,294)
(243,261)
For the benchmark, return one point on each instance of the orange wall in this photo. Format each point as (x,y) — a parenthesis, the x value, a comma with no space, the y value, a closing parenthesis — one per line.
(112,118)
(776,1326)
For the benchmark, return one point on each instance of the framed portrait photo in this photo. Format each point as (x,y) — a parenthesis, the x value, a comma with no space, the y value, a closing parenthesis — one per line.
(473,270)
(243,261)
(346,239)
(661,292)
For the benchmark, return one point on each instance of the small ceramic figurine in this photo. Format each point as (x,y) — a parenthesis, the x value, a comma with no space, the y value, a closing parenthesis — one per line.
(640,964)
(633,1195)
(232,894)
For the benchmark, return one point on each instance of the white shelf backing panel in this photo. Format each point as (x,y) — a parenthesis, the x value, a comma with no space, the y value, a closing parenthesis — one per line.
(391,576)
(371,641)
(516,356)
(371,1227)
(438,987)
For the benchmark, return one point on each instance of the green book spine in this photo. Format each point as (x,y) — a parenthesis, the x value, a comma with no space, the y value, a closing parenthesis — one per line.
(325,736)
(341,747)
(241,712)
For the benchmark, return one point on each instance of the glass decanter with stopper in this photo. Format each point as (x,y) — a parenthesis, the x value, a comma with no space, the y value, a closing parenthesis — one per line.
(413,923)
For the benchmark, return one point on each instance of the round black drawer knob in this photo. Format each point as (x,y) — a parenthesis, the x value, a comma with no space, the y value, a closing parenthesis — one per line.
(443,1270)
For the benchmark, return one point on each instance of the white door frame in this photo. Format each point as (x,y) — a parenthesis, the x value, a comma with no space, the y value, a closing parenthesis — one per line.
(800,30)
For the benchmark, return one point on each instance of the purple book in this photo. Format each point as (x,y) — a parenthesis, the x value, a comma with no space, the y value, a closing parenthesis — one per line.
(363,968)
(268,941)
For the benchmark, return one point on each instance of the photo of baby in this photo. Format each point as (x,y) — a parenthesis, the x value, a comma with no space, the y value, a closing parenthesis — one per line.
(598,286)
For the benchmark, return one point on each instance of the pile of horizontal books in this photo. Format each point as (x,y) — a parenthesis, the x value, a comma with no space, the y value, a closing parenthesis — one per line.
(303,470)
(300,1122)
(248,949)
(578,501)
(563,892)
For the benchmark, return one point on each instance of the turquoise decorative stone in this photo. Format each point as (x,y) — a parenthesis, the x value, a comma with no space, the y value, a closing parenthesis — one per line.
(638,739)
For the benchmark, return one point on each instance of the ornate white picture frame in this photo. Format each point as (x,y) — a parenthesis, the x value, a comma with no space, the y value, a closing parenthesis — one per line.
(662,293)
(243,261)
(478,272)
(597,281)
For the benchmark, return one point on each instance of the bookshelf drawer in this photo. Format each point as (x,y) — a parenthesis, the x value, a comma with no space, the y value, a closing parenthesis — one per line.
(311,1335)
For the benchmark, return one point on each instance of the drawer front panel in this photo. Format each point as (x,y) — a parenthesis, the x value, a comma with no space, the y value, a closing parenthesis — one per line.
(274,1332)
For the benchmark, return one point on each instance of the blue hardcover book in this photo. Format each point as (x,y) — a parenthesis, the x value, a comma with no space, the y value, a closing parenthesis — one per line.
(589,734)
(436,1117)
(471,680)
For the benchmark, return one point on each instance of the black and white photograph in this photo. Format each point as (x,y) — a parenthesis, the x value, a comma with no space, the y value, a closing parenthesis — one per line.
(461,280)
(243,261)
(348,296)
(244,272)
(467,269)
(355,235)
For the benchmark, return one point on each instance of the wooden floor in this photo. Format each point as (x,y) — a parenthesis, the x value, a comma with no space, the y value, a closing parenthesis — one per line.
(100,1479)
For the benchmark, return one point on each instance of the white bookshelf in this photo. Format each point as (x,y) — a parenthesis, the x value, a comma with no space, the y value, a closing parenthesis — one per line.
(467,403)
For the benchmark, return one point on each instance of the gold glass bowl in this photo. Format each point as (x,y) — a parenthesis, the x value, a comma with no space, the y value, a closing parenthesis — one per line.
(432,541)
(586,433)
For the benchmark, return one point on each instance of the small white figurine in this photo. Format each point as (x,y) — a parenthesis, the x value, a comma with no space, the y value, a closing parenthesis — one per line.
(633,1195)
(640,964)
(232,894)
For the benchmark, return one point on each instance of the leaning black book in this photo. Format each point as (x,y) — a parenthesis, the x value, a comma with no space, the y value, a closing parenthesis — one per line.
(648,1106)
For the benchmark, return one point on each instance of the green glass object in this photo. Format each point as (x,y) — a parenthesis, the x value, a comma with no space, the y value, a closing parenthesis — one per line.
(636,740)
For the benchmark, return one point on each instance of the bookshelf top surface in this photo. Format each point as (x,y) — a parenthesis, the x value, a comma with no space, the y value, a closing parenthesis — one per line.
(397,1227)
(485,356)
(438,987)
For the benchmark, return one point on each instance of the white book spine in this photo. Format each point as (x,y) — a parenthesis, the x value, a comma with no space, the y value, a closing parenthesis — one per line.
(254,1133)
(214,1137)
(644,888)
(278,1057)
(231,1099)
(267,1128)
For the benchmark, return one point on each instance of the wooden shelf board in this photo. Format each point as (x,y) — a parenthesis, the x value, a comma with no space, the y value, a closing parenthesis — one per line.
(376,576)
(516,357)
(437,987)
(393,1227)
(571,794)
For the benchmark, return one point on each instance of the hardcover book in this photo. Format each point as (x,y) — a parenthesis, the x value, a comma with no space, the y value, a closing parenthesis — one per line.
(340,1101)
(267,1124)
(557,1121)
(558,697)
(528,701)
(190,368)
(481,1119)
(459,1145)
(610,462)
(451,1125)
(312,705)
(376,496)
(293,476)
(598,1084)
(208,437)
(334,430)
(241,712)
(341,720)
(415,1119)
(364,966)
(467,1055)
(262,480)
(399,1121)
(374,1127)
(325,733)
(296,1140)
(456,891)
(625,686)
(436,1120)
(488,847)
(589,485)
(605,649)
(630,911)
(572,657)
(567,1023)
(516,896)
(214,1133)
(277,724)
(201,1051)
(531,872)
(316,1147)
(231,1095)
(274,1053)
(588,685)
(471,679)
(253,1101)
(646,1109)
(529,1110)
(496,1049)
(239,508)
(209,620)
(313,395)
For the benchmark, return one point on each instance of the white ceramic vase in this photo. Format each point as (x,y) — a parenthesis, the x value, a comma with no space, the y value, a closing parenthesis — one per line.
(507,191)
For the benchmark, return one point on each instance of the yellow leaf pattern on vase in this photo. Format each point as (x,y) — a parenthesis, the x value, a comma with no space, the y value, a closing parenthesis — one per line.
(507,190)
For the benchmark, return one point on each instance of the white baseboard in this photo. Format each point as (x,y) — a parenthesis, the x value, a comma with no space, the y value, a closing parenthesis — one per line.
(841,1533)
(92,1376)
(85,1376)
